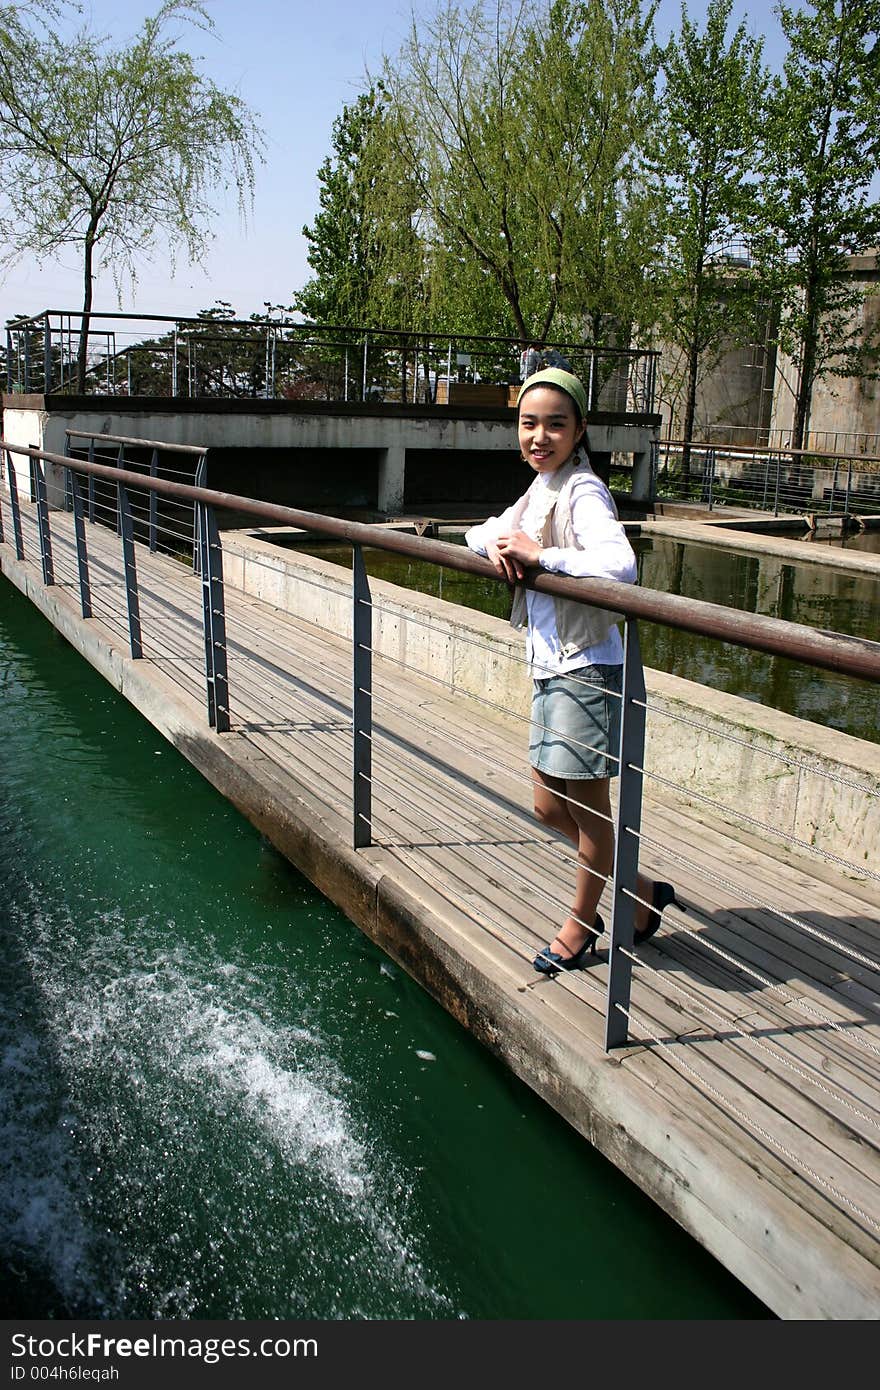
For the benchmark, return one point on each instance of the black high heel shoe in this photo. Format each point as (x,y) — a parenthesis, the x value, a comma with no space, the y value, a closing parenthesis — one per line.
(662,895)
(549,962)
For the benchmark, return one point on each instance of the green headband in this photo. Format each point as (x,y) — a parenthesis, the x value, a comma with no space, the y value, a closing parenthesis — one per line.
(563,381)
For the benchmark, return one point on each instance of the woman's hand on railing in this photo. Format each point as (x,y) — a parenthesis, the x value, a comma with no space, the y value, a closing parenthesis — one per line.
(516,552)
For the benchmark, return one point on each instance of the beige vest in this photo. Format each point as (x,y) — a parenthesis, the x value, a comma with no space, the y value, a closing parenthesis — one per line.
(579,625)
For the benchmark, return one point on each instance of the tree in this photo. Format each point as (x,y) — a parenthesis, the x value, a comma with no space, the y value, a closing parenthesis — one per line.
(518,126)
(343,250)
(114,149)
(591,101)
(705,158)
(822,152)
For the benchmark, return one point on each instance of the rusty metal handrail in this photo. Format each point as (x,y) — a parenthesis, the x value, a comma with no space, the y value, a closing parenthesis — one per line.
(851,656)
(127,439)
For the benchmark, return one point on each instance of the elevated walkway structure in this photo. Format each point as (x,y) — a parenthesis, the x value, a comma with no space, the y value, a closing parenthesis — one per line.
(743,1092)
(394,418)
(306,453)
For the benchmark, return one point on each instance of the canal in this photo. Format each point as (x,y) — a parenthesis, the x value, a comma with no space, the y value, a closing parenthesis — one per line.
(219,1100)
(832,599)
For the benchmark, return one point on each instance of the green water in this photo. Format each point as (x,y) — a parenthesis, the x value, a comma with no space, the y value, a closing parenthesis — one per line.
(832,599)
(219,1100)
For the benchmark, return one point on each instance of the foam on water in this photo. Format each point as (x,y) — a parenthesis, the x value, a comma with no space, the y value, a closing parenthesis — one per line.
(194,1153)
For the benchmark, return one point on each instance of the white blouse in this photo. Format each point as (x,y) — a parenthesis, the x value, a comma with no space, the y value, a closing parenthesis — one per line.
(602,552)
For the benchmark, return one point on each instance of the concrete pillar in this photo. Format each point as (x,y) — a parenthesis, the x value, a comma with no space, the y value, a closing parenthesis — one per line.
(392,473)
(600,461)
(641,477)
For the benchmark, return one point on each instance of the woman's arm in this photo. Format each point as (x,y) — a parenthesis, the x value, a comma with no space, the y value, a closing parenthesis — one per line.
(606,552)
(484,540)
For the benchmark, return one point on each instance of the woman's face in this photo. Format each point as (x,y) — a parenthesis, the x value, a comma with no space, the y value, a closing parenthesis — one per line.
(549,430)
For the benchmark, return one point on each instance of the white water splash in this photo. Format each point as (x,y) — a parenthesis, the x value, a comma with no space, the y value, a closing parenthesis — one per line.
(162,1046)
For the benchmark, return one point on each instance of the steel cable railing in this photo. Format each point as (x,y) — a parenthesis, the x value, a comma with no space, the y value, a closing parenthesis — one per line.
(428,808)
(603,594)
(773,478)
(748,1121)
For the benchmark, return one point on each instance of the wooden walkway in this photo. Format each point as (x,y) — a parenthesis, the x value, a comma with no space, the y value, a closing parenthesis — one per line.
(748,1103)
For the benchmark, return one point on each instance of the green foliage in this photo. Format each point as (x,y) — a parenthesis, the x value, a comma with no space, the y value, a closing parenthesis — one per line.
(343,251)
(519,131)
(115,150)
(704,156)
(821,154)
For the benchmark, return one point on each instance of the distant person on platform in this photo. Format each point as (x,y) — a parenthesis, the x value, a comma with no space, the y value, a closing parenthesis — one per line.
(529,360)
(551,357)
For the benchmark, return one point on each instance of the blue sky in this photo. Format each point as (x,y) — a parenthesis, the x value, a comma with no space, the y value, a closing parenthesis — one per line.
(296,64)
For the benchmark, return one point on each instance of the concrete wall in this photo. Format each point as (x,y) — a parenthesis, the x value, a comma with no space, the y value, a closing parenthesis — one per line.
(847,407)
(737,392)
(733,755)
(300,432)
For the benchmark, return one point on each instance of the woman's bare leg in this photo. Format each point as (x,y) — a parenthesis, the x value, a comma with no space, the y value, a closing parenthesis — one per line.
(580,810)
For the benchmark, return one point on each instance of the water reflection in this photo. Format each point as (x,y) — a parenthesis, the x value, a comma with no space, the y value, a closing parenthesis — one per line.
(830,599)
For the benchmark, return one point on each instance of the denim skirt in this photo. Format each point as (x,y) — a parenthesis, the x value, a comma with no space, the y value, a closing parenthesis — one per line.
(576,723)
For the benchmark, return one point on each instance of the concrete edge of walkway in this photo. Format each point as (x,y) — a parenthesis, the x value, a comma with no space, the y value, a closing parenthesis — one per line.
(726,535)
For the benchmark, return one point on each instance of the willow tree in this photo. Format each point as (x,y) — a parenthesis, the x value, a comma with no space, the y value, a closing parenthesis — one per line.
(706,154)
(822,157)
(513,120)
(117,151)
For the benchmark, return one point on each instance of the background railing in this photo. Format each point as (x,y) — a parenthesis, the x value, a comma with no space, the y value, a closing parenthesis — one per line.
(777,480)
(165,524)
(159,355)
(845,948)
(848,443)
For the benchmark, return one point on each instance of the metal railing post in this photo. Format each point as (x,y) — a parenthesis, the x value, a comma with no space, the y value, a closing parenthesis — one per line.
(92,481)
(154,502)
(833,485)
(9,376)
(82,555)
(627,831)
(362,702)
(199,481)
(44,533)
(849,473)
(27,360)
(710,468)
(14,504)
(776,494)
(213,608)
(130,567)
(47,355)
(120,463)
(766,483)
(364,374)
(68,476)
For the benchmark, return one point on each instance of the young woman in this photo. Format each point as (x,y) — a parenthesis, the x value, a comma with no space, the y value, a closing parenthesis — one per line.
(567,523)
